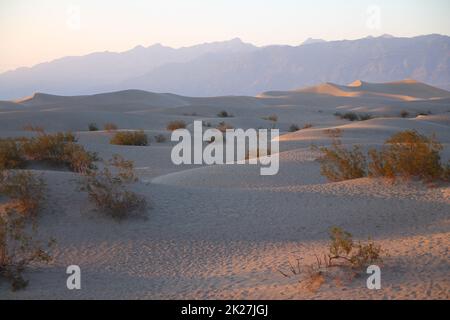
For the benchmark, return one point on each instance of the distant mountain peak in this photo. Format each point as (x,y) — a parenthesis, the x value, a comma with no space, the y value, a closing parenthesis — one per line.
(311,41)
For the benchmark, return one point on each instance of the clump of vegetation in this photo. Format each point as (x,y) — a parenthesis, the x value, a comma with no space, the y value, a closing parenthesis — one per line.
(10,154)
(108,192)
(175,125)
(257,153)
(18,247)
(404,114)
(365,117)
(92,127)
(130,138)
(25,190)
(33,128)
(333,133)
(294,128)
(352,116)
(224,114)
(223,126)
(307,126)
(59,149)
(110,127)
(160,138)
(338,164)
(273,118)
(408,154)
(343,253)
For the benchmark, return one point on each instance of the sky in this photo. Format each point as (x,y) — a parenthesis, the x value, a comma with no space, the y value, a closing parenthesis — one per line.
(35,31)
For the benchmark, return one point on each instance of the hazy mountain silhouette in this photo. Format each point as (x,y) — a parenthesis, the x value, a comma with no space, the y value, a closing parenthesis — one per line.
(234,67)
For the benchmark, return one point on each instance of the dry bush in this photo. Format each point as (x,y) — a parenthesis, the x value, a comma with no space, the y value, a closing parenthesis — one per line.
(352,116)
(110,126)
(404,114)
(343,253)
(273,118)
(175,125)
(338,163)
(333,133)
(92,127)
(25,190)
(59,149)
(224,114)
(33,128)
(160,138)
(19,247)
(108,192)
(294,128)
(307,126)
(130,138)
(11,154)
(223,126)
(408,154)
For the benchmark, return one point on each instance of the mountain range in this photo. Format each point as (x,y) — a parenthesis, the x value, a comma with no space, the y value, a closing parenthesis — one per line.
(237,68)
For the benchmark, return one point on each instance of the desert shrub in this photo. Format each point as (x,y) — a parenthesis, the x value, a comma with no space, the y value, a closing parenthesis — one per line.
(404,114)
(223,126)
(19,248)
(92,127)
(273,118)
(307,126)
(25,190)
(343,253)
(176,124)
(32,128)
(365,117)
(59,149)
(224,114)
(343,250)
(333,133)
(10,154)
(160,138)
(257,153)
(108,192)
(294,128)
(338,163)
(352,116)
(130,138)
(110,126)
(408,154)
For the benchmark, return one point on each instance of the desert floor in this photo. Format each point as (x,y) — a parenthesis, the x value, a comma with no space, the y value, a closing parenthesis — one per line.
(223,231)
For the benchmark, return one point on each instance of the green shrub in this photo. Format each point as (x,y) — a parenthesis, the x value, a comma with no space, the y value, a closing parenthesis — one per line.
(130,138)
(10,154)
(294,128)
(108,192)
(408,154)
(175,125)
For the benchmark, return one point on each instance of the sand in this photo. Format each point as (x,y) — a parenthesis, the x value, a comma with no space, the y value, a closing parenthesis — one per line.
(223,231)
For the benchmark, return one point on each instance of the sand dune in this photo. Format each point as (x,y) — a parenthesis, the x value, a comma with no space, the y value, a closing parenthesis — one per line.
(222,231)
